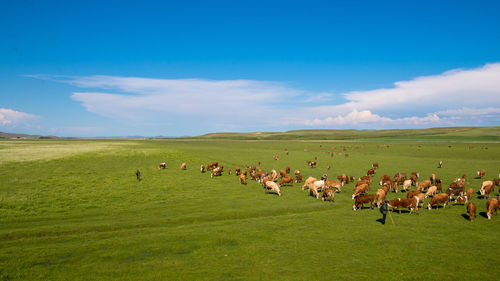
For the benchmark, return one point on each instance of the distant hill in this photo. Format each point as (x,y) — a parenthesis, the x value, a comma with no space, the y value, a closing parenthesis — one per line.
(431,134)
(24,136)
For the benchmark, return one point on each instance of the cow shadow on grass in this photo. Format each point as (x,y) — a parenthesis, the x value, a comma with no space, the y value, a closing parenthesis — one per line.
(483,214)
(466,217)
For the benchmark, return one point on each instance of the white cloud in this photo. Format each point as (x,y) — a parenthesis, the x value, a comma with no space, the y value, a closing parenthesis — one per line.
(457,97)
(366,117)
(13,118)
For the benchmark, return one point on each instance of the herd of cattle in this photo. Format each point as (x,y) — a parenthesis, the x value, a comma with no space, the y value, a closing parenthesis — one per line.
(424,188)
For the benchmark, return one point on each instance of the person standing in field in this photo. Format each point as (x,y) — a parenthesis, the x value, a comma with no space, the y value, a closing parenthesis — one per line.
(138,174)
(383,210)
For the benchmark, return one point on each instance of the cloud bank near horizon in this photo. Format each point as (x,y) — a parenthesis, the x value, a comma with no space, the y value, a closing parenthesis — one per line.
(460,97)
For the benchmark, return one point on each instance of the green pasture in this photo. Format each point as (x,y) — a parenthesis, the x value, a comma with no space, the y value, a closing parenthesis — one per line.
(73,210)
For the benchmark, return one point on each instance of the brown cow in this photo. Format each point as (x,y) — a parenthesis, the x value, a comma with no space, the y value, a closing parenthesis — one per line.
(228,171)
(438,199)
(217,171)
(486,188)
(491,206)
(328,193)
(282,173)
(275,157)
(469,193)
(362,199)
(423,185)
(287,169)
(364,188)
(375,165)
(439,185)
(212,165)
(370,172)
(481,173)
(335,184)
(471,210)
(243,179)
(286,180)
(237,171)
(313,191)
(455,189)
(183,166)
(414,179)
(308,181)
(385,178)
(162,166)
(312,164)
(399,203)
(412,193)
(202,168)
(366,178)
(432,178)
(380,194)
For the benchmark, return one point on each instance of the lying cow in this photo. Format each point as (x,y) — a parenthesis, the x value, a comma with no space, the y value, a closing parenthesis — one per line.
(362,199)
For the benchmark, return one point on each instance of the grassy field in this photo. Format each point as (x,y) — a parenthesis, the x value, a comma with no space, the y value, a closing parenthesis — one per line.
(73,210)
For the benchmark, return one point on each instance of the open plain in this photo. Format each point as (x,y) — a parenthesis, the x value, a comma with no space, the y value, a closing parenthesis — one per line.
(73,210)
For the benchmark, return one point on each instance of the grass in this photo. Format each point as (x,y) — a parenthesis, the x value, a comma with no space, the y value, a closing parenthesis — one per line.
(72,209)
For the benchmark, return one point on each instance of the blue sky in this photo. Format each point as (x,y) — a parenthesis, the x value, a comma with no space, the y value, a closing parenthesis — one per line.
(120,68)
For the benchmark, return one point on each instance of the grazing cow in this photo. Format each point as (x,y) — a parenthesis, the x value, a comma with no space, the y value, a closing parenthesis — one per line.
(439,185)
(351,178)
(364,188)
(481,173)
(244,172)
(212,165)
(469,193)
(385,178)
(414,179)
(491,206)
(423,185)
(497,181)
(412,193)
(431,191)
(313,192)
(273,187)
(274,175)
(344,179)
(399,203)
(438,199)
(312,164)
(440,165)
(282,173)
(287,169)
(360,182)
(371,172)
(264,179)
(455,189)
(237,171)
(406,185)
(432,178)
(420,199)
(275,157)
(228,171)
(138,175)
(471,210)
(298,178)
(243,179)
(380,194)
(486,188)
(286,180)
(366,178)
(362,199)
(375,165)
(202,168)
(308,181)
(328,193)
(319,185)
(335,184)
(217,171)
(162,166)
(183,166)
